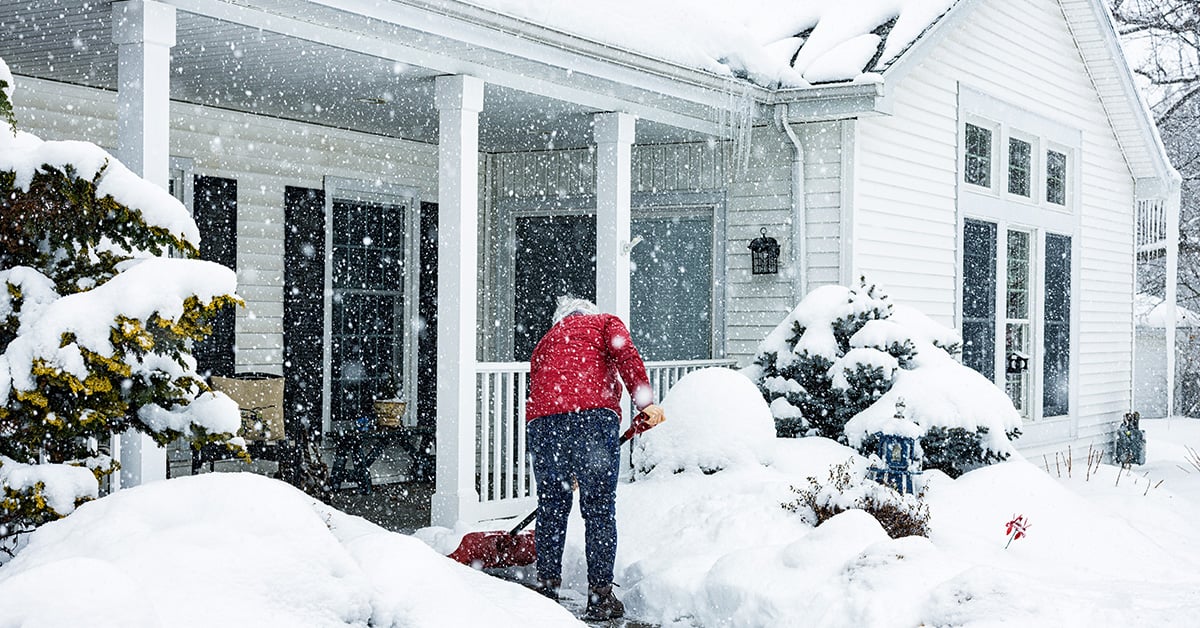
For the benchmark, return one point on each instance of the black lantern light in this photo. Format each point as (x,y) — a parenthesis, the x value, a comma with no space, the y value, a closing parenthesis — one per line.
(764,255)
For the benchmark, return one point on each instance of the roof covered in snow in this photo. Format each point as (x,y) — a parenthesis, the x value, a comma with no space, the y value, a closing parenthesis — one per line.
(788,43)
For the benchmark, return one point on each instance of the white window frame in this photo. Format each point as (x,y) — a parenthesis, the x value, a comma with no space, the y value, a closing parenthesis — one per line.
(1032,214)
(1036,184)
(1070,174)
(354,189)
(994,158)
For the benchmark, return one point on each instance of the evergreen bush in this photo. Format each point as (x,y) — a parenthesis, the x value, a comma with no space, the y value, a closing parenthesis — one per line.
(97,324)
(827,368)
(809,372)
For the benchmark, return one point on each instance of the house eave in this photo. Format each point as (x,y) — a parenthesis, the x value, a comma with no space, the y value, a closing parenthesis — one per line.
(831,102)
(551,63)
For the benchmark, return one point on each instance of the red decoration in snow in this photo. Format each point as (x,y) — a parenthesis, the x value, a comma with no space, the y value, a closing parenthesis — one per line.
(1016,528)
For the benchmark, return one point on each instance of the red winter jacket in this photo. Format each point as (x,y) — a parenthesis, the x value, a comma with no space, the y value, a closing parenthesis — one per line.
(575,367)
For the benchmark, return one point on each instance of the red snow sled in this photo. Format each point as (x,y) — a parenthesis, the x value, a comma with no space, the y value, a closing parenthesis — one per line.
(516,548)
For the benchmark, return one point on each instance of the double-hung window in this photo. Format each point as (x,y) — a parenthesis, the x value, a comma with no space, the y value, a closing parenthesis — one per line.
(1018,175)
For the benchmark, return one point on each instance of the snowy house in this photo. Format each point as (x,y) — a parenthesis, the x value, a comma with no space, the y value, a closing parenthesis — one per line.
(402,185)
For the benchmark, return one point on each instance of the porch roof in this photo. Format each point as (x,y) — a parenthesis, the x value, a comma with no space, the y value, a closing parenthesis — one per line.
(368,65)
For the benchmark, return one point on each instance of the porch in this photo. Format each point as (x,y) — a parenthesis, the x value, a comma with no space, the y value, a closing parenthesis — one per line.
(503,484)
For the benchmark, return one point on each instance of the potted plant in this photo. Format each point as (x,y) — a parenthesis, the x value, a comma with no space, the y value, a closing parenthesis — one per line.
(389,410)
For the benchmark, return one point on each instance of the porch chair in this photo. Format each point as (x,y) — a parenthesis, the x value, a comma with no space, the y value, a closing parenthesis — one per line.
(260,399)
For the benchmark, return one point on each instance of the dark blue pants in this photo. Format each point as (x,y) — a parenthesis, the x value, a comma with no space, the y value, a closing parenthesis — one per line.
(584,446)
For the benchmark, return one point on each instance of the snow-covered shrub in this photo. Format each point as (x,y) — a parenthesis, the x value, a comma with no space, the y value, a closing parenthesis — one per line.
(849,488)
(716,419)
(832,357)
(843,358)
(97,323)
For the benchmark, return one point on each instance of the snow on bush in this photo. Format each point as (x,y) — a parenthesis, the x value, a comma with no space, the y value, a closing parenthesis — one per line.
(716,419)
(849,488)
(842,360)
(97,320)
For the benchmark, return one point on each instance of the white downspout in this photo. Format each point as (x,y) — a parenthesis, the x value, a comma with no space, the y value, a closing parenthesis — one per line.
(799,209)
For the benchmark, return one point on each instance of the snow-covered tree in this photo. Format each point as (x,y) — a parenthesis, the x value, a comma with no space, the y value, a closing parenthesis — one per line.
(841,360)
(817,372)
(97,320)
(1162,41)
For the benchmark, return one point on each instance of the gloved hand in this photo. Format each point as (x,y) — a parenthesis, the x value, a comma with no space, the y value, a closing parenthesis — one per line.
(654,414)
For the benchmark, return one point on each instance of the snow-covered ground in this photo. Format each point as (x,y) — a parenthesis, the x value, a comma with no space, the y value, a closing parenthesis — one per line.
(696,549)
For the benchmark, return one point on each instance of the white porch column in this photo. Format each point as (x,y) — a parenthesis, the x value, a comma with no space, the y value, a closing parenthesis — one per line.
(459,100)
(144,31)
(1172,209)
(614,163)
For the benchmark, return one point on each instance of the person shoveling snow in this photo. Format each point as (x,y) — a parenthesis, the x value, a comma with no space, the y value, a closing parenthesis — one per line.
(573,418)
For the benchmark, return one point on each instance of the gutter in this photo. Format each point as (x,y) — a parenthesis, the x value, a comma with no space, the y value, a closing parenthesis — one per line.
(836,101)
(799,207)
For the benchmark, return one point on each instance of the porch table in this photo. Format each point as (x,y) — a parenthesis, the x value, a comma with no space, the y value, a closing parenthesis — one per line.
(357,447)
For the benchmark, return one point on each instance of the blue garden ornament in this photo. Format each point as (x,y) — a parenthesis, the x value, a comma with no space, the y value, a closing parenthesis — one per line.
(899,454)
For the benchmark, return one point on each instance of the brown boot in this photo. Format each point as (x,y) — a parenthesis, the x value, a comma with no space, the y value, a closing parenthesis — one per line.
(548,587)
(602,604)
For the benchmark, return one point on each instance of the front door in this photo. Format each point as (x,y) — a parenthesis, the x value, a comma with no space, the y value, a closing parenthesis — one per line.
(555,255)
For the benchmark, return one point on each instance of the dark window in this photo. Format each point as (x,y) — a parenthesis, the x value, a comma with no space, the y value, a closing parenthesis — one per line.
(1019,166)
(978,156)
(215,201)
(368,305)
(557,255)
(303,309)
(1056,177)
(1056,371)
(979,297)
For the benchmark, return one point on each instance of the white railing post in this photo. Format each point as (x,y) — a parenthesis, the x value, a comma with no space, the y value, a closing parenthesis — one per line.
(505,488)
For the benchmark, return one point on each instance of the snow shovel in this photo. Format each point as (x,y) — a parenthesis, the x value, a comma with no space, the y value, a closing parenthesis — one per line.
(514,548)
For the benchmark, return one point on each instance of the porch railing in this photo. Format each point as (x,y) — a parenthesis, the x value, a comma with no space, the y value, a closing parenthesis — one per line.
(1151,225)
(504,478)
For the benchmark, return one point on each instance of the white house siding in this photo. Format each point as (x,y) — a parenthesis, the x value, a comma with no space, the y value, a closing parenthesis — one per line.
(264,155)
(760,195)
(823,190)
(1020,52)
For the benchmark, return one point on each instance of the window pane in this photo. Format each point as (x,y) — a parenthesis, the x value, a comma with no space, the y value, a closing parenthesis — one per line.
(979,297)
(1017,281)
(1056,177)
(675,259)
(978,156)
(1019,156)
(1056,372)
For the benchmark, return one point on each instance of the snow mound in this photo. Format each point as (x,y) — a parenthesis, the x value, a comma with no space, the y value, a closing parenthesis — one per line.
(716,419)
(236,549)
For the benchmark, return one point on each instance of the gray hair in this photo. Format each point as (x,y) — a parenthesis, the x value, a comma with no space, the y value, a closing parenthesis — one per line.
(568,305)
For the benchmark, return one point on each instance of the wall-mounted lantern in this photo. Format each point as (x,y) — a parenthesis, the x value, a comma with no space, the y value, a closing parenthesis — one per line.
(1017,362)
(764,255)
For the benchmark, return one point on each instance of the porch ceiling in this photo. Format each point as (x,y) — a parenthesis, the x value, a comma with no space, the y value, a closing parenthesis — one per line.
(298,67)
